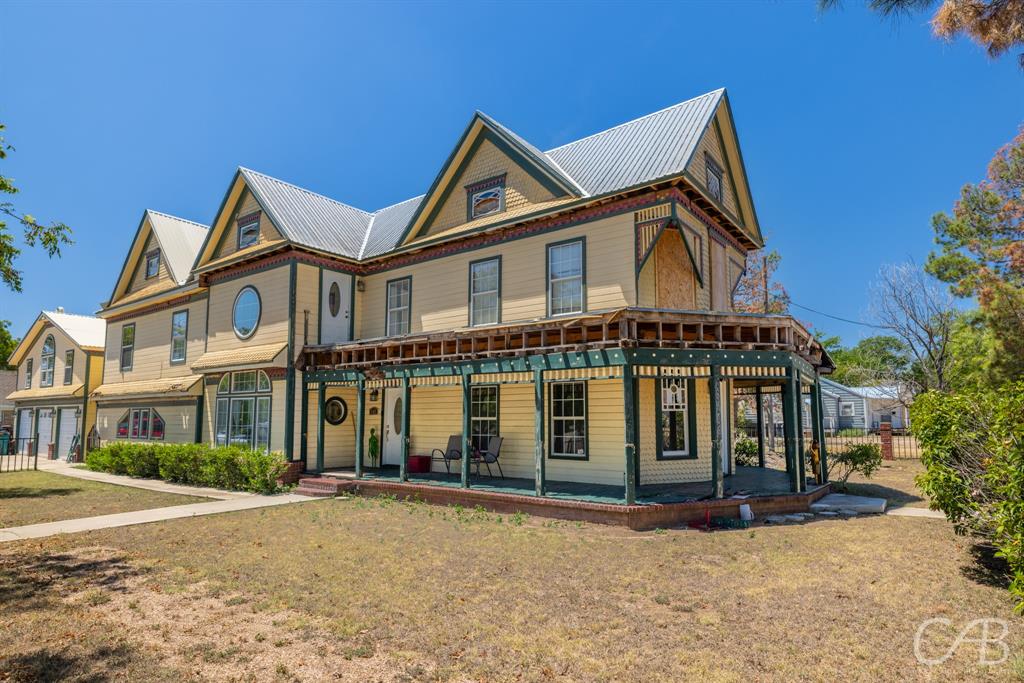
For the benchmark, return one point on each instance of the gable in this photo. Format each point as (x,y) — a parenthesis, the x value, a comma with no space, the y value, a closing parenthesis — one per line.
(246,206)
(132,283)
(139,280)
(710,151)
(523,192)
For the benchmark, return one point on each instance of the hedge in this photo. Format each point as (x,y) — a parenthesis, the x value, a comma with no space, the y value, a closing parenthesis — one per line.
(228,467)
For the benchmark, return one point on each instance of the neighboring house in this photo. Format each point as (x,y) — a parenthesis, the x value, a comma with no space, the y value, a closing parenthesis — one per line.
(576,302)
(156,318)
(59,361)
(8,383)
(863,408)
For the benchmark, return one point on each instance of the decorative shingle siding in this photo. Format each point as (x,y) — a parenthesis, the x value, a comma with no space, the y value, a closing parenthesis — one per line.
(247,205)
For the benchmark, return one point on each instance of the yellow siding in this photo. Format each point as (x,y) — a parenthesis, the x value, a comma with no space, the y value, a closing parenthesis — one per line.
(339,440)
(710,145)
(179,420)
(439,287)
(247,204)
(522,193)
(139,280)
(272,286)
(62,343)
(152,357)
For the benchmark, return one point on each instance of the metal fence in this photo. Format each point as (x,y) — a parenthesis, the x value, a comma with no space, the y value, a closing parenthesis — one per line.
(896,444)
(17,455)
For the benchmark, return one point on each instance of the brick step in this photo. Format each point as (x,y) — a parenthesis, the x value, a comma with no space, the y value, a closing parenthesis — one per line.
(315,493)
(319,486)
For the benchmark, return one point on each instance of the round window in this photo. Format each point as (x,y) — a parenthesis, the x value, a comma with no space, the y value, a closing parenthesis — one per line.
(334,299)
(396,415)
(245,316)
(335,410)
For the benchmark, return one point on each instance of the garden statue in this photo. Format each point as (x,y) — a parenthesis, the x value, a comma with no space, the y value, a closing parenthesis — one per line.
(374,447)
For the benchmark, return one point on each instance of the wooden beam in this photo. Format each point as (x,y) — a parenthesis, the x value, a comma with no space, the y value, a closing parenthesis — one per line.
(403,472)
(715,400)
(360,424)
(790,391)
(801,459)
(320,393)
(538,432)
(760,425)
(629,405)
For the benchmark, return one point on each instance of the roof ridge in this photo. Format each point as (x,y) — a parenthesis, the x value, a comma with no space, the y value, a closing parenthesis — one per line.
(404,201)
(178,218)
(76,315)
(639,118)
(366,235)
(302,189)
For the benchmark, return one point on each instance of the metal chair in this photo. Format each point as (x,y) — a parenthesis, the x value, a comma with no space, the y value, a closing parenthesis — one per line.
(452,452)
(491,455)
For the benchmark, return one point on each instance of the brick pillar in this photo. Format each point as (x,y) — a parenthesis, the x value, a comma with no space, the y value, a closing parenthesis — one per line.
(292,473)
(885,430)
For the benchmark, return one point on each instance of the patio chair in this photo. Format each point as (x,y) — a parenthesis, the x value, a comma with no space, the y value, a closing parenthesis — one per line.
(452,452)
(491,455)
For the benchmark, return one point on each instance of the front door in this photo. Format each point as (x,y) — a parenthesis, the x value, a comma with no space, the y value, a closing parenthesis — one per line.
(725,426)
(44,428)
(393,413)
(336,308)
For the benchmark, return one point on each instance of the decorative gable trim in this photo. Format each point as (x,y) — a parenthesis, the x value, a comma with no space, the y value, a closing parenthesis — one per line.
(487,183)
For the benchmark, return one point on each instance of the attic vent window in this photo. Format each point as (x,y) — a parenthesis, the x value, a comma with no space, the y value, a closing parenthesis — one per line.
(486,197)
(248,230)
(152,264)
(714,178)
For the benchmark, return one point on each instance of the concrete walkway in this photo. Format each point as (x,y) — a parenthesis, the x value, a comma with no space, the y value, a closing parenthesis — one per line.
(70,470)
(71,526)
(916,512)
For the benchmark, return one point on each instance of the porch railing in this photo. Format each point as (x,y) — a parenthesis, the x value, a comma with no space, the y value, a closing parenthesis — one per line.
(18,455)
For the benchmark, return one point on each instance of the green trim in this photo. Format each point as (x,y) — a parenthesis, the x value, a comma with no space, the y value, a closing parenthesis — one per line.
(728,169)
(304,419)
(499,139)
(56,433)
(755,225)
(187,321)
(790,392)
(320,305)
(360,425)
(538,433)
(120,354)
(259,313)
(403,469)
(35,429)
(466,426)
(498,185)
(200,402)
(320,402)
(714,400)
(351,307)
(85,405)
(387,309)
(631,468)
(759,393)
(289,401)
(469,290)
(691,421)
(583,275)
(586,421)
(135,239)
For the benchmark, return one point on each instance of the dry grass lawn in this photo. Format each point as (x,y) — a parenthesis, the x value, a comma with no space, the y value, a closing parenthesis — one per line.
(34,497)
(374,590)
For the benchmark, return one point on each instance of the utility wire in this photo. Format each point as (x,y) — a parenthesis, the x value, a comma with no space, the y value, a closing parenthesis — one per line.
(836,317)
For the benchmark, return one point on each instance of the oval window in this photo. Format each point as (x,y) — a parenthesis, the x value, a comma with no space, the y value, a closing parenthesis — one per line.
(334,299)
(397,416)
(335,410)
(245,316)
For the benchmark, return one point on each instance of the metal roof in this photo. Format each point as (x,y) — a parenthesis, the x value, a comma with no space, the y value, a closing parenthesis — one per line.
(647,149)
(179,241)
(84,330)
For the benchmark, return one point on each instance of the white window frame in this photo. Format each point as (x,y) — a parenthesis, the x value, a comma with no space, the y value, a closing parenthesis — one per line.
(679,407)
(245,225)
(28,373)
(230,395)
(129,348)
(552,389)
(581,277)
(495,292)
(499,194)
(406,320)
(181,339)
(479,396)
(47,361)
(69,366)
(847,405)
(152,261)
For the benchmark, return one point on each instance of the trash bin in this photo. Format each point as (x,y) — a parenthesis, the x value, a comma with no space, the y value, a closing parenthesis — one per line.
(419,464)
(5,443)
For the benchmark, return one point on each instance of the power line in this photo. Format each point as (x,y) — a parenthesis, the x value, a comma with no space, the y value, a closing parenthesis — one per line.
(836,317)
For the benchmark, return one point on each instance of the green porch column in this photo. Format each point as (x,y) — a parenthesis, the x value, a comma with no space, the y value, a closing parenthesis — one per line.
(819,427)
(801,450)
(629,408)
(321,400)
(715,400)
(538,429)
(760,426)
(304,419)
(360,424)
(790,395)
(403,473)
(466,448)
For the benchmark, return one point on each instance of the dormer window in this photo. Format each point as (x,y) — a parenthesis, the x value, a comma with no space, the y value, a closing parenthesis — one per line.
(152,264)
(248,230)
(486,197)
(713,179)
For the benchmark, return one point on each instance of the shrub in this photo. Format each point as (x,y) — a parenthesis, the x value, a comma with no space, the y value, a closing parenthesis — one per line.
(972,447)
(230,467)
(746,452)
(864,458)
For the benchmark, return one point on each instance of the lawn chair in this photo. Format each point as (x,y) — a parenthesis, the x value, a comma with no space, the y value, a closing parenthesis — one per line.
(452,452)
(491,455)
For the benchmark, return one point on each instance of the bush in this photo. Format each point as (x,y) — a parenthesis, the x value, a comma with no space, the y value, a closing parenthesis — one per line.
(230,467)
(746,452)
(864,458)
(972,447)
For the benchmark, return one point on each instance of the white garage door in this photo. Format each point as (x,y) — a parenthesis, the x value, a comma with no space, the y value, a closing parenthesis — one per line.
(45,430)
(68,429)
(24,431)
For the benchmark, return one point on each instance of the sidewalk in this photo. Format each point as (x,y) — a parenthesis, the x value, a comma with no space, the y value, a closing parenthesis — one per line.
(70,526)
(69,470)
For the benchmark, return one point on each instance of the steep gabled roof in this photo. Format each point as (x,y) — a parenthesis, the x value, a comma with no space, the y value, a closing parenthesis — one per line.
(179,240)
(86,331)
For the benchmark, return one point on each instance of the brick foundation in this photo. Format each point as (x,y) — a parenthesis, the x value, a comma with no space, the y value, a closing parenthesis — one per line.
(637,517)
(292,473)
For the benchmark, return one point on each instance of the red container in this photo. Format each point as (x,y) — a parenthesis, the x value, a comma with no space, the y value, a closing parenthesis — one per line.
(419,464)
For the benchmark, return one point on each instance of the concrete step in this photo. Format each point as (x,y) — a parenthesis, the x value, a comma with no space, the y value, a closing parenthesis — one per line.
(845,504)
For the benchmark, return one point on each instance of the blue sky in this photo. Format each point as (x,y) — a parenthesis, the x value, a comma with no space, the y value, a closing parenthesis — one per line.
(855,130)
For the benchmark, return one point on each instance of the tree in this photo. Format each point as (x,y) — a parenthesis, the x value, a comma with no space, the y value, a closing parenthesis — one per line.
(49,237)
(758,291)
(996,25)
(982,254)
(909,303)
(880,359)
(7,344)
